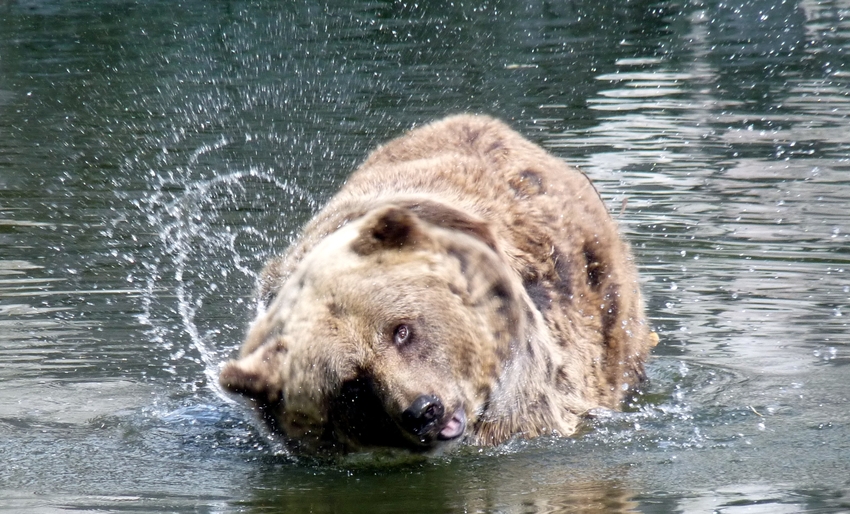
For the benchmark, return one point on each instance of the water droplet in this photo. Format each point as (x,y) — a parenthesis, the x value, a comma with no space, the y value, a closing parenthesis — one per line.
(673,286)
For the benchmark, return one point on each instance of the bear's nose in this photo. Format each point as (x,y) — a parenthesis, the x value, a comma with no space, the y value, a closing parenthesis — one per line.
(423,414)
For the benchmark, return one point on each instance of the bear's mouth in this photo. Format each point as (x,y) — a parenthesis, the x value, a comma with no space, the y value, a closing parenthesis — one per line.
(359,420)
(426,422)
(454,427)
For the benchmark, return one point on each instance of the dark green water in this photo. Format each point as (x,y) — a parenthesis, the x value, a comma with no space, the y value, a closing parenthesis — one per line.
(154,154)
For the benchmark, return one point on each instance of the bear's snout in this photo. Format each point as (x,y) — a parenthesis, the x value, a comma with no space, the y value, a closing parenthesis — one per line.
(423,414)
(426,419)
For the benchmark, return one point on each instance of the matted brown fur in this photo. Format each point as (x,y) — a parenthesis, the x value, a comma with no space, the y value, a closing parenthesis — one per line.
(503,261)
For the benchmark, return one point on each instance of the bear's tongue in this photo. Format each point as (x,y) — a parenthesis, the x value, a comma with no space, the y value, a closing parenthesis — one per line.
(455,426)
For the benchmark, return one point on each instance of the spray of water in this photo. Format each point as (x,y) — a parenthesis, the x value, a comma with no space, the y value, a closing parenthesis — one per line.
(213,236)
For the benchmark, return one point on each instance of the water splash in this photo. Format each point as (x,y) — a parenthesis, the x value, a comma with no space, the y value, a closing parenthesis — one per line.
(210,249)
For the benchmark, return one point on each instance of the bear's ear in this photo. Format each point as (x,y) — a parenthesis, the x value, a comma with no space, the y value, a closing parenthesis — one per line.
(389,228)
(257,374)
(450,218)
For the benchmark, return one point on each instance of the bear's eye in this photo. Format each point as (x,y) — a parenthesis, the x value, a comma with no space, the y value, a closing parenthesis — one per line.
(402,334)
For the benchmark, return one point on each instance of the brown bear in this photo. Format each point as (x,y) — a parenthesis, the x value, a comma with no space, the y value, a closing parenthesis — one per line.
(464,285)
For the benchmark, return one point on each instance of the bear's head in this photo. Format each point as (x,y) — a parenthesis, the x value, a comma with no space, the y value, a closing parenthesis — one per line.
(392,331)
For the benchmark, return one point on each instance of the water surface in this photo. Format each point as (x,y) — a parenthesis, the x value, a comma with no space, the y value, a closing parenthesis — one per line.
(153,155)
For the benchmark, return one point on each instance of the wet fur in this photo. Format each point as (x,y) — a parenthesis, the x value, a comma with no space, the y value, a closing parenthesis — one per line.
(549,319)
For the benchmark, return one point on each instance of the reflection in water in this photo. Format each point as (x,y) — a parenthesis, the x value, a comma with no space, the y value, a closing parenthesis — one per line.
(524,479)
(154,155)
(735,186)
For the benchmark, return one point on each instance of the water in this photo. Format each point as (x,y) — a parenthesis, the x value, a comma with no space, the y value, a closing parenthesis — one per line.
(153,155)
